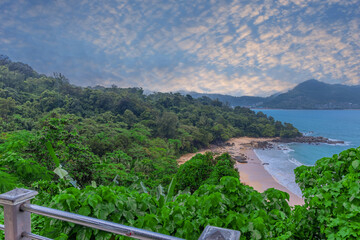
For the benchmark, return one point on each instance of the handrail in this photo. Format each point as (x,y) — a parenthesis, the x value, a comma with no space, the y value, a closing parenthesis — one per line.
(96,223)
(28,235)
(34,236)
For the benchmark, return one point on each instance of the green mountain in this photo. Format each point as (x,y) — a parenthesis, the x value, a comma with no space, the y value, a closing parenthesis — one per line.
(311,94)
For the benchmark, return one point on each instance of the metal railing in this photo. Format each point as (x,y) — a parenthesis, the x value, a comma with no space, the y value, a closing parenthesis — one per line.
(17,221)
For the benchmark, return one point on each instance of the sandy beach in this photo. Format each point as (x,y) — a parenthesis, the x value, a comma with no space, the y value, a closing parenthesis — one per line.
(253,172)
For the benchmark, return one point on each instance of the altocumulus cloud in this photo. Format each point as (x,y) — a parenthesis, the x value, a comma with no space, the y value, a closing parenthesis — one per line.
(229,47)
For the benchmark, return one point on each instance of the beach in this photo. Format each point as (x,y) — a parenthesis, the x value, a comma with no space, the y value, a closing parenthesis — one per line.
(253,172)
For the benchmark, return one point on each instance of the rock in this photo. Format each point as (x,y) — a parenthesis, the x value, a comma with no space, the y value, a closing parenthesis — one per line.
(241,158)
(261,144)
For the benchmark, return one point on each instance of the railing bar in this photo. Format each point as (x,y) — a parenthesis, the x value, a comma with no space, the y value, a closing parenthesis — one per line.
(96,223)
(2,227)
(34,236)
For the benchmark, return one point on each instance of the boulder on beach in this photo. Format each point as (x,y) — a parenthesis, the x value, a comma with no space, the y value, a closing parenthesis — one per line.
(261,144)
(242,158)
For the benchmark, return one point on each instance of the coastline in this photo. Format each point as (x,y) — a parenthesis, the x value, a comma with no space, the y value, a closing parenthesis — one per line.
(253,172)
(255,175)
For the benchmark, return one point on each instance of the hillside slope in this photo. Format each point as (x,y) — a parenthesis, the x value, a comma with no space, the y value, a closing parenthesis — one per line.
(313,94)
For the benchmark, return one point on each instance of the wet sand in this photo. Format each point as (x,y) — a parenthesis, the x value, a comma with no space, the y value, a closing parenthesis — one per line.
(253,172)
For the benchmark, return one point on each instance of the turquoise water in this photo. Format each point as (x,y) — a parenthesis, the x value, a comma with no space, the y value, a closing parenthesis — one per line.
(334,124)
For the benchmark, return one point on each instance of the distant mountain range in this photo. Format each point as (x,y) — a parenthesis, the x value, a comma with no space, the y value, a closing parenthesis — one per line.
(311,94)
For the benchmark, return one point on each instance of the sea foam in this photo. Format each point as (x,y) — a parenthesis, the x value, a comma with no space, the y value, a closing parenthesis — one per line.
(281,165)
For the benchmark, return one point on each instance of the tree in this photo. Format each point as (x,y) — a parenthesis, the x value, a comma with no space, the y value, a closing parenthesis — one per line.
(167,125)
(194,172)
(50,100)
(7,106)
(4,60)
(129,117)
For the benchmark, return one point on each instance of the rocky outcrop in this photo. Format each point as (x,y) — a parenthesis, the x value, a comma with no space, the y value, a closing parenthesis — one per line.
(308,139)
(302,139)
(261,144)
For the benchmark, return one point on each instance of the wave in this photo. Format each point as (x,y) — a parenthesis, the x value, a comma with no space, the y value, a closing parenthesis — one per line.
(281,166)
(308,133)
(296,162)
(285,148)
(346,143)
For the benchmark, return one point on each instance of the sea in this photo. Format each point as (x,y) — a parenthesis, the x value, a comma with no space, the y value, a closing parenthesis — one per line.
(333,124)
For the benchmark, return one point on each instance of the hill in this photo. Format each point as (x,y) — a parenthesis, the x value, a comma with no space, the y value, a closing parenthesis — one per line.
(116,125)
(311,94)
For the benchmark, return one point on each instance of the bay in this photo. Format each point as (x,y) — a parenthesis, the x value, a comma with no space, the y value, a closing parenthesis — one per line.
(334,124)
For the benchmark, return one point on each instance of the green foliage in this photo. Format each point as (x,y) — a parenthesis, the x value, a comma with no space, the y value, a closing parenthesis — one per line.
(17,166)
(52,154)
(203,168)
(2,236)
(167,125)
(228,204)
(222,168)
(116,204)
(7,106)
(31,96)
(7,181)
(194,172)
(332,195)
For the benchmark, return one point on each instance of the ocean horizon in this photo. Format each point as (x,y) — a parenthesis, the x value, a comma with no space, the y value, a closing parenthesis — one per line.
(285,157)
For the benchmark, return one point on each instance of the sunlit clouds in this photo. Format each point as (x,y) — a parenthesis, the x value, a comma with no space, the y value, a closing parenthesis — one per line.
(228,47)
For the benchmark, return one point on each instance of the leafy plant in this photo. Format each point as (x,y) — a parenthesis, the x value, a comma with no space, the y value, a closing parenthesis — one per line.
(7,181)
(194,172)
(229,204)
(332,195)
(204,168)
(2,236)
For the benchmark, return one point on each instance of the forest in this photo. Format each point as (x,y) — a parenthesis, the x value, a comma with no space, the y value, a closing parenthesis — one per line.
(111,153)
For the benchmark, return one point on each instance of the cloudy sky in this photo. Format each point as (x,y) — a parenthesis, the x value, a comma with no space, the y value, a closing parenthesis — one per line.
(230,47)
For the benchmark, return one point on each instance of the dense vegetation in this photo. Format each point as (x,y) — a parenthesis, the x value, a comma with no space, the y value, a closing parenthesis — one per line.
(311,94)
(331,190)
(111,153)
(100,134)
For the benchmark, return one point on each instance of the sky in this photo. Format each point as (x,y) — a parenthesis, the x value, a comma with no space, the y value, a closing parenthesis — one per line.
(254,48)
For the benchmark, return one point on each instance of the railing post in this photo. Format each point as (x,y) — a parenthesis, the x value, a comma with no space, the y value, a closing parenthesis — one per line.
(16,221)
(212,233)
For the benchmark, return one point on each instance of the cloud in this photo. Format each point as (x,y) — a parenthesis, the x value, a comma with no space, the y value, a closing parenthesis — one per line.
(238,47)
(201,79)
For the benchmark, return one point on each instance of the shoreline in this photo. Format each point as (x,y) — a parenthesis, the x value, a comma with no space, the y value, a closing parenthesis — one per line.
(252,173)
(255,175)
